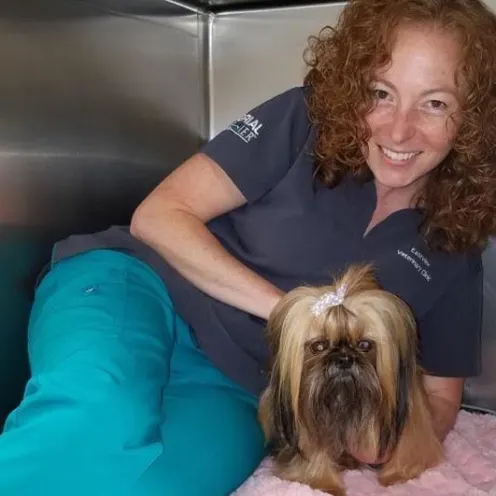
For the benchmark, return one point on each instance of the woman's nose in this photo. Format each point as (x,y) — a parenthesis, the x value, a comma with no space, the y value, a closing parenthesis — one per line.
(402,126)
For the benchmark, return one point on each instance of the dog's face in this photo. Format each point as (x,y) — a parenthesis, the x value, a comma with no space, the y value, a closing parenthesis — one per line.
(341,375)
(344,380)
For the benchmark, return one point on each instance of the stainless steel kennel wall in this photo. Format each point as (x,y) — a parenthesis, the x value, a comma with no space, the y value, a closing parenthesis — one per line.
(100,99)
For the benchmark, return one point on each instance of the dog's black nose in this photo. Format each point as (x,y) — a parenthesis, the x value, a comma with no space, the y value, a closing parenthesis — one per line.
(344,361)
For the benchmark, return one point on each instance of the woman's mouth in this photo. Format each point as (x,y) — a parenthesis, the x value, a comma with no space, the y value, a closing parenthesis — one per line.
(395,156)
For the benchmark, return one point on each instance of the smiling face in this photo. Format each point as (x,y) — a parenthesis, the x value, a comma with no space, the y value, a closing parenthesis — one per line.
(416,110)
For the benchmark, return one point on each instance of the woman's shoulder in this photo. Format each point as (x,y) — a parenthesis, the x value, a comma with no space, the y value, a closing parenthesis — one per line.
(288,104)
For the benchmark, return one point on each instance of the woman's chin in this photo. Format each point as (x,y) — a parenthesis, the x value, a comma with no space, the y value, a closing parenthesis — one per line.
(399,182)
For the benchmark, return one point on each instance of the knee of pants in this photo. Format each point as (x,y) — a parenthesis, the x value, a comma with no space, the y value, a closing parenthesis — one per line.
(99,351)
(97,299)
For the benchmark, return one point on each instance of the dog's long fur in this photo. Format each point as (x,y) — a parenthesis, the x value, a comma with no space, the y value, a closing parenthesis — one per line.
(315,411)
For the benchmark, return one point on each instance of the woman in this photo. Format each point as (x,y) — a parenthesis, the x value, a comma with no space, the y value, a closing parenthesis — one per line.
(149,347)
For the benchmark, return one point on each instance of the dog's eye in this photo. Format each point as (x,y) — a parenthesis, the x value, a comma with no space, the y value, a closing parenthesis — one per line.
(319,346)
(364,345)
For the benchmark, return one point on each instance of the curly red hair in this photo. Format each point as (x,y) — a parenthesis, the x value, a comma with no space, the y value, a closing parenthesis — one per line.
(459,199)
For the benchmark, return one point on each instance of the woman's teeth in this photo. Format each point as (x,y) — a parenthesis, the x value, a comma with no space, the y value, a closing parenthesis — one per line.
(398,156)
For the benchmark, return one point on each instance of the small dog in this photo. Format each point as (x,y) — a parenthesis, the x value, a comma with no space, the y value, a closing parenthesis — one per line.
(344,379)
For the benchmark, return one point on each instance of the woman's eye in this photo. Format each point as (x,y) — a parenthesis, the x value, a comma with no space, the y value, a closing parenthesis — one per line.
(380,94)
(437,105)
(364,345)
(319,346)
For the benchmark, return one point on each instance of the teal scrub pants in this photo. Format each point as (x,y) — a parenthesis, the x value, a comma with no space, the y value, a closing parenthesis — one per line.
(121,402)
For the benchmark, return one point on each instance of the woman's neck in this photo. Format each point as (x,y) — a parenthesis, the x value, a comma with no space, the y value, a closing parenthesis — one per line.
(390,200)
(393,199)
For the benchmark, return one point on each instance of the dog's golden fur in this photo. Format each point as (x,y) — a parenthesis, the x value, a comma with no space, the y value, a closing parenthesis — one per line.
(346,380)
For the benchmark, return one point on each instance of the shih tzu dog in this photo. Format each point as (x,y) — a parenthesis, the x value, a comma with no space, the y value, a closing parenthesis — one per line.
(344,379)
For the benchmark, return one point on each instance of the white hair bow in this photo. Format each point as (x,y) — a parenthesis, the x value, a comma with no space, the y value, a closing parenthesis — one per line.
(328,300)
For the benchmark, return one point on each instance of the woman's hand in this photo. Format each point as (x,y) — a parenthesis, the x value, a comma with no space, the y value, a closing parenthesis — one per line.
(172,221)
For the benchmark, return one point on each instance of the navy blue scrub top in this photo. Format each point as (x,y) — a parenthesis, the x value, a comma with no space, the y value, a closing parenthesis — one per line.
(293,230)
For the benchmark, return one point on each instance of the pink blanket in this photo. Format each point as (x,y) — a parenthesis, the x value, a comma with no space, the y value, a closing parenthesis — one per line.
(469,469)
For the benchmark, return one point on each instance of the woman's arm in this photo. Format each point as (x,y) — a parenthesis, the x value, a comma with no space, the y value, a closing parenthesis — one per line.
(172,221)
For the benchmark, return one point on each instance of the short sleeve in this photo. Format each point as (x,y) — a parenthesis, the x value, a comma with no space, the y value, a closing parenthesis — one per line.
(450,333)
(257,150)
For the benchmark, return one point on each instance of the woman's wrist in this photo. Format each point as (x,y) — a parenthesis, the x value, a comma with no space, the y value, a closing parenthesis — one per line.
(270,303)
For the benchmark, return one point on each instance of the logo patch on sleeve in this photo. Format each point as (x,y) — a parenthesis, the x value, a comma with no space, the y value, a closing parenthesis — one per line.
(247,128)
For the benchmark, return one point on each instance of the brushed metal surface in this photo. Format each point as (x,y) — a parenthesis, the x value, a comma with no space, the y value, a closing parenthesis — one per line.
(98,105)
(52,10)
(224,5)
(481,391)
(257,54)
(102,105)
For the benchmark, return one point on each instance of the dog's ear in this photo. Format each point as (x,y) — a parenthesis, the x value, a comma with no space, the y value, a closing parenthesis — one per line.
(391,431)
(285,421)
(406,370)
(418,446)
(277,417)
